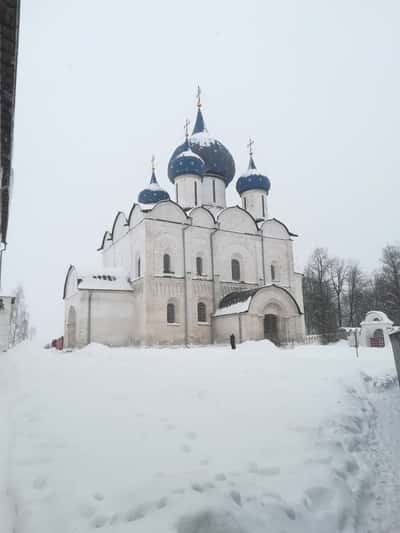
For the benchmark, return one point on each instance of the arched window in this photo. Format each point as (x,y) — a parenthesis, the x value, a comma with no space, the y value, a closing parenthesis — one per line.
(273,273)
(213,191)
(167,264)
(171,313)
(138,268)
(263,205)
(245,203)
(199,266)
(201,312)
(235,270)
(195,193)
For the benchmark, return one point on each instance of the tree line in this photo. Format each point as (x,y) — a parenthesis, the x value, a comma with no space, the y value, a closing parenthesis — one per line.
(338,293)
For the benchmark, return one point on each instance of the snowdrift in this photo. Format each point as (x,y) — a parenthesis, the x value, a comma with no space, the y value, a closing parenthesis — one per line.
(202,440)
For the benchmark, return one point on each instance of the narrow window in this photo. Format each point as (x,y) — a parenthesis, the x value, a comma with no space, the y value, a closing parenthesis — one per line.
(138,268)
(177,195)
(167,264)
(214,195)
(199,266)
(201,312)
(273,273)
(263,205)
(245,203)
(235,270)
(195,193)
(171,314)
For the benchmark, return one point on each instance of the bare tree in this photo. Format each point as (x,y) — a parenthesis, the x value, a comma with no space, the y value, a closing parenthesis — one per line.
(338,272)
(390,281)
(319,303)
(19,318)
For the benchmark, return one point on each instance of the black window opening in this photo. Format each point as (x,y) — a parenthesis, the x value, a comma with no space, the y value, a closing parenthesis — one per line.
(245,203)
(195,193)
(177,195)
(199,266)
(213,192)
(273,272)
(171,314)
(138,268)
(201,312)
(235,265)
(263,205)
(167,264)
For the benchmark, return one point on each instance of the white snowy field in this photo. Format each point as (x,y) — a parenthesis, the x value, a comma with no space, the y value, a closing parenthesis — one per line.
(202,440)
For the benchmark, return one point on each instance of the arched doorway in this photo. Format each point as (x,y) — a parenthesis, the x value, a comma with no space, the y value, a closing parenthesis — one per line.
(71,328)
(377,340)
(271,328)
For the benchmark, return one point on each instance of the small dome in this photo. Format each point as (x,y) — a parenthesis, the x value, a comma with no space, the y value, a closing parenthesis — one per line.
(252,180)
(187,162)
(217,159)
(153,193)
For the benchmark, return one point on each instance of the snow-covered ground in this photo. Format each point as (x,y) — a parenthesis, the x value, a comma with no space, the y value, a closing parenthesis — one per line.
(205,440)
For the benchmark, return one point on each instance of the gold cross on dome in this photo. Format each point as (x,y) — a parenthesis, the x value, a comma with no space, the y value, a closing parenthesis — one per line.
(187,122)
(198,96)
(250,146)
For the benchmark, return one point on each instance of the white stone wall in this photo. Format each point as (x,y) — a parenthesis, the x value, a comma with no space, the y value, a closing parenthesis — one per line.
(209,184)
(185,190)
(167,229)
(252,201)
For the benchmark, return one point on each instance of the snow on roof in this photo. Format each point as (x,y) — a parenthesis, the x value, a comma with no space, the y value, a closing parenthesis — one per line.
(202,138)
(239,307)
(110,279)
(376,316)
(189,153)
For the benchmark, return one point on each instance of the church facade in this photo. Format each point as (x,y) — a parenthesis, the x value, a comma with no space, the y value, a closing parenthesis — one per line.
(191,270)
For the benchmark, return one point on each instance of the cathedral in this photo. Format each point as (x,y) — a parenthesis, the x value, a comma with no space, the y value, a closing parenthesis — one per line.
(191,270)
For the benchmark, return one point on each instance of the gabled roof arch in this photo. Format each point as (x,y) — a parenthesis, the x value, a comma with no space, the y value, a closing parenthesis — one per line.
(201,209)
(164,203)
(137,213)
(291,234)
(241,301)
(106,236)
(71,269)
(116,219)
(224,212)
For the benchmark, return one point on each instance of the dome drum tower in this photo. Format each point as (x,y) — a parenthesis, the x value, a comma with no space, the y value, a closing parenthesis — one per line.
(253,188)
(201,168)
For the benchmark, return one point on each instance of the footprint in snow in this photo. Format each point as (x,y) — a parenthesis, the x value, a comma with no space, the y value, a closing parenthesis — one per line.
(99,496)
(191,435)
(185,448)
(87,510)
(39,483)
(99,521)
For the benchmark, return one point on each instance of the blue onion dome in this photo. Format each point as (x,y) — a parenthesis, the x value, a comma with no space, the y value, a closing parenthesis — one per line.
(252,179)
(153,193)
(217,159)
(187,162)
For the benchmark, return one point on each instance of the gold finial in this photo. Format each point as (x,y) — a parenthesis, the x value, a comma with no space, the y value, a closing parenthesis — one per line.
(250,146)
(153,162)
(198,96)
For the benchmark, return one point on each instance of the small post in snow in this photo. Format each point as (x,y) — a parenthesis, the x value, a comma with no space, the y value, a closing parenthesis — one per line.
(356,341)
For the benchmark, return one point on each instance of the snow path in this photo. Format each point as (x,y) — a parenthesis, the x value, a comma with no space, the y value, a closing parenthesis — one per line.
(383,513)
(205,440)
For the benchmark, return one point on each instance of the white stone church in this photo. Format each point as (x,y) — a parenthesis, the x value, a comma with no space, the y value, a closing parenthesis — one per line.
(193,270)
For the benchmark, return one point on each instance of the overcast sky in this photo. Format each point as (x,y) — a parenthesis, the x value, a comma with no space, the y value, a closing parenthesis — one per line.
(103,85)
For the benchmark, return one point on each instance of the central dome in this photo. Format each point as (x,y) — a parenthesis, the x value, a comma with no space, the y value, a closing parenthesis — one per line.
(217,159)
